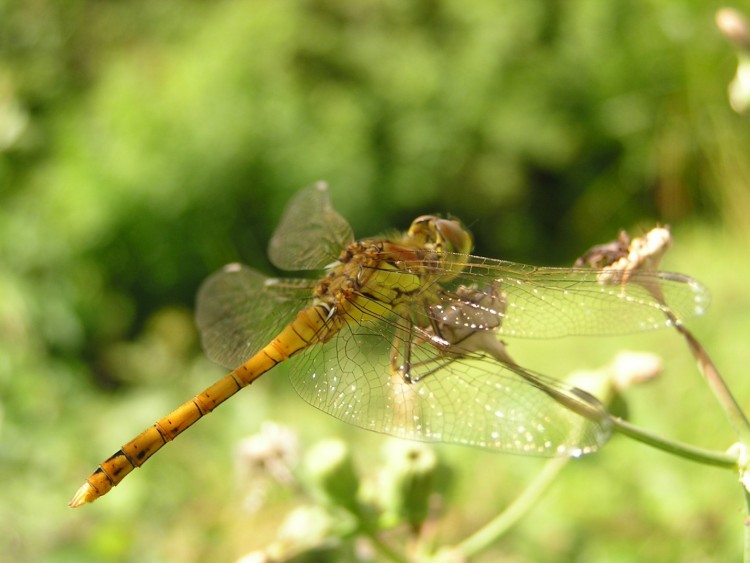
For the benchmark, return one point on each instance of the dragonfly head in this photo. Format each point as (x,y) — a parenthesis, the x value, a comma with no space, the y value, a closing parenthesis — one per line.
(442,235)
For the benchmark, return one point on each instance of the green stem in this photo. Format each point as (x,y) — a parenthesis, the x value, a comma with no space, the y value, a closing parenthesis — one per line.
(686,451)
(710,373)
(383,547)
(365,528)
(493,530)
(718,386)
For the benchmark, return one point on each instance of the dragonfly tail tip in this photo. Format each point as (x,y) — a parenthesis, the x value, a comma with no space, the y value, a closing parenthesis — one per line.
(84,495)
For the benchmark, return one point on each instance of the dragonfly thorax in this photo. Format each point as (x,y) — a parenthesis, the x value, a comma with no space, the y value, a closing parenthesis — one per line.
(370,279)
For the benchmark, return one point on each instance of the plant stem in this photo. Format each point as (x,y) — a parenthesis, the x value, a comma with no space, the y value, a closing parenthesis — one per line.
(718,386)
(384,549)
(365,528)
(693,453)
(709,371)
(493,530)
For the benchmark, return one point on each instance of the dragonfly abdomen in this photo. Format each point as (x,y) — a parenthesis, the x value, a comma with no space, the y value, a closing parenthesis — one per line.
(304,330)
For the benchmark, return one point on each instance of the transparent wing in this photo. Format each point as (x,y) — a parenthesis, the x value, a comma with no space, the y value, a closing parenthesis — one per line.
(239,311)
(311,234)
(434,368)
(468,399)
(556,302)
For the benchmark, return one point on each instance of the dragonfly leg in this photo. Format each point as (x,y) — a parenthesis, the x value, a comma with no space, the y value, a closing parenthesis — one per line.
(405,367)
(401,363)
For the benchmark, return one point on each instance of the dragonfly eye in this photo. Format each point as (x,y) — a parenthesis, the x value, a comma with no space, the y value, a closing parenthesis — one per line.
(423,230)
(443,235)
(455,237)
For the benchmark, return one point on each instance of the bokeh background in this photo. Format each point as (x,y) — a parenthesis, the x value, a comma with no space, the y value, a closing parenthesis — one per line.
(143,144)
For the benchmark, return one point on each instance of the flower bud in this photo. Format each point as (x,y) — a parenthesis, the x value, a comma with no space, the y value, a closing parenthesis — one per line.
(739,88)
(407,481)
(329,467)
(734,26)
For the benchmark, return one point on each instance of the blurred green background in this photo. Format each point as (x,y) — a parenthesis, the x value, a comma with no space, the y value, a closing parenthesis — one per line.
(144,144)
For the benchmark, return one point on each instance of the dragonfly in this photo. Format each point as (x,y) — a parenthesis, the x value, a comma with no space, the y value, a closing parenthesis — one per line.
(403,335)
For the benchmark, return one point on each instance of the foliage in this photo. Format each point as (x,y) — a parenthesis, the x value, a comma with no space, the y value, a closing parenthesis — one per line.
(145,144)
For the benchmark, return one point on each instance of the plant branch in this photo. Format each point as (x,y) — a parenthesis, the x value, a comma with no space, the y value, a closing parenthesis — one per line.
(681,449)
(718,386)
(494,529)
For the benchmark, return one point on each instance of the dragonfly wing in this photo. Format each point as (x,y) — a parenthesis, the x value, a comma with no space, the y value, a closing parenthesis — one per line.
(239,310)
(553,302)
(471,399)
(311,234)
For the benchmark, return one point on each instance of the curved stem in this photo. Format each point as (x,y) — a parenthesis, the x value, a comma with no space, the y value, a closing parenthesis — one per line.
(365,528)
(718,386)
(686,451)
(384,549)
(495,528)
